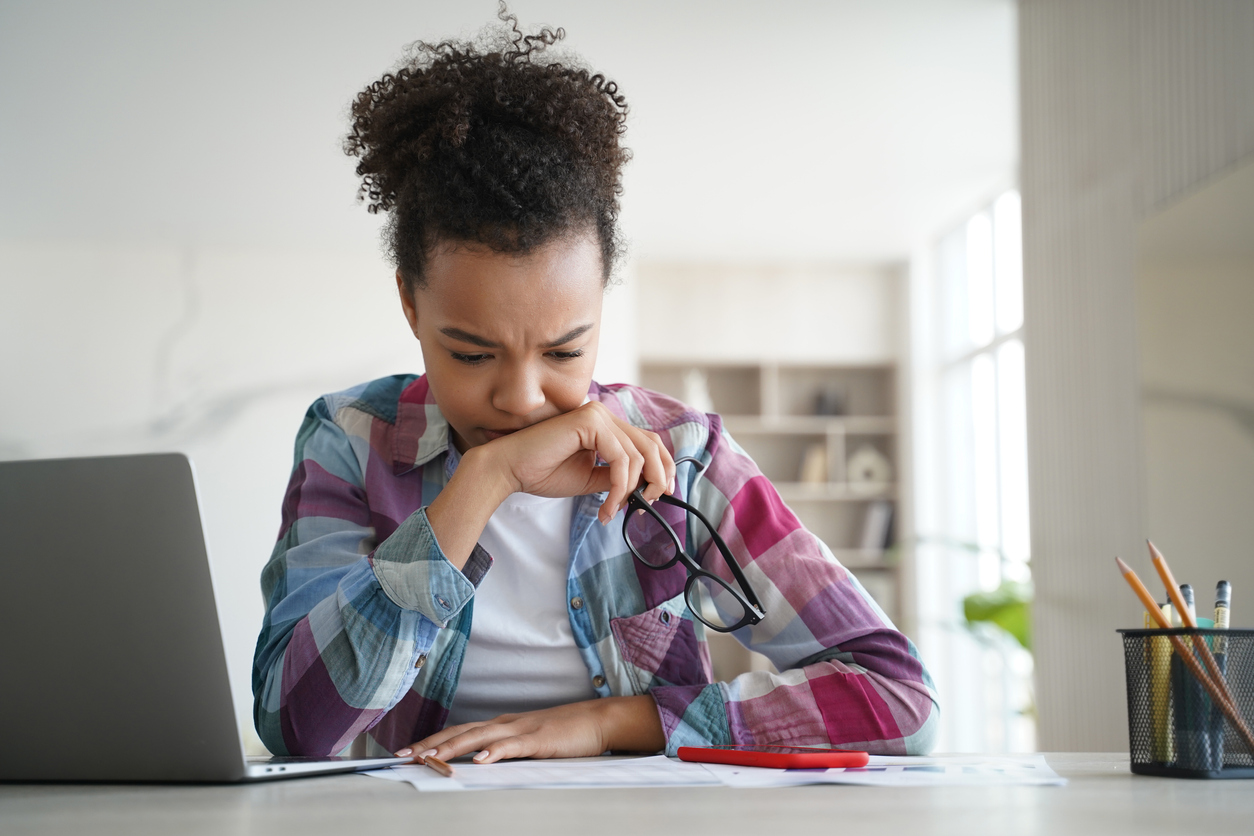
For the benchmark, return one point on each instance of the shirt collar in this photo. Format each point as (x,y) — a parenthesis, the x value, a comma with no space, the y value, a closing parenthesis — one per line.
(421,431)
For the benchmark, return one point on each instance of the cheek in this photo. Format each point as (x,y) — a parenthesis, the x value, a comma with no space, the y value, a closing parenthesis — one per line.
(568,391)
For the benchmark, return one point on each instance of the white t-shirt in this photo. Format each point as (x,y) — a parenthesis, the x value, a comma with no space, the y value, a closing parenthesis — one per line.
(521,655)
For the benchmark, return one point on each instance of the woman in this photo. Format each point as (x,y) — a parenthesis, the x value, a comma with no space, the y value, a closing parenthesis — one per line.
(441,580)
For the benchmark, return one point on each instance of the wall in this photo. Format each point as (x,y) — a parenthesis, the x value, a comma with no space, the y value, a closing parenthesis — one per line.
(788,312)
(1195,306)
(1125,106)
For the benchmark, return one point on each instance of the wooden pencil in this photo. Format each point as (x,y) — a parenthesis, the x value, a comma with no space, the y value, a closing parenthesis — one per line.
(438,765)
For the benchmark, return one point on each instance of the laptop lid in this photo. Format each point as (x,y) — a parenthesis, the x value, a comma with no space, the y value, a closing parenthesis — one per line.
(114,665)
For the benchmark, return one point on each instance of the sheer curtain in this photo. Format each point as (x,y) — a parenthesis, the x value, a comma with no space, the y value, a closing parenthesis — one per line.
(971,476)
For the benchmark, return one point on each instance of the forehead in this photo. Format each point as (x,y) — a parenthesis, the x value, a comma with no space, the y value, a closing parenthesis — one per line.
(530,296)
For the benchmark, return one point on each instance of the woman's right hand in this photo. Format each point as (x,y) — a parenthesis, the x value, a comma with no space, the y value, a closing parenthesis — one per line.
(558,457)
(555,457)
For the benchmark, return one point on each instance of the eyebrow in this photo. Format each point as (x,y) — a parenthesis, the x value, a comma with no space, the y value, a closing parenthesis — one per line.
(474,339)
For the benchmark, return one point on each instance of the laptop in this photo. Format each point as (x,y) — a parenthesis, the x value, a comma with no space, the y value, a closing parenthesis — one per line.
(111,651)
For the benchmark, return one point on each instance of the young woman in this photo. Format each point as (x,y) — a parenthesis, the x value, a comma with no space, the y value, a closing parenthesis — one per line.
(453,573)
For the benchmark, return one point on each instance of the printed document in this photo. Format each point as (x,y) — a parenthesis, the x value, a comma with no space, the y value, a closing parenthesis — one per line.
(661,771)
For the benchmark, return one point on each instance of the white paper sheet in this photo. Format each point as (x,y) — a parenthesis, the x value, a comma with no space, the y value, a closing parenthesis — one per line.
(655,771)
(659,771)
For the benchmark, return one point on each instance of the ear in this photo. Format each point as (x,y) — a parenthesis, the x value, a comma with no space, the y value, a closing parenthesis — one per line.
(408,304)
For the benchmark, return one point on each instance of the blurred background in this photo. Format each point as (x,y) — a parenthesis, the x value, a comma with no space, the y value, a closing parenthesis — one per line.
(828,244)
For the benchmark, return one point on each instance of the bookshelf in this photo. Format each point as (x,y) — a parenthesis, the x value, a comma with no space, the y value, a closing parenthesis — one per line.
(826,437)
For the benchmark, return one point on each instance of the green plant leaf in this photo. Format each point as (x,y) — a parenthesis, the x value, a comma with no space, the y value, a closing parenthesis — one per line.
(1009,606)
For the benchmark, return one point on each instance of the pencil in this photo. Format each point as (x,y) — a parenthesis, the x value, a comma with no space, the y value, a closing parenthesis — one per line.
(438,766)
(1186,616)
(1221,699)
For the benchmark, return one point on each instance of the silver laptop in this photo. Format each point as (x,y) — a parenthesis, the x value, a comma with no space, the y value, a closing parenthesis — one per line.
(112,665)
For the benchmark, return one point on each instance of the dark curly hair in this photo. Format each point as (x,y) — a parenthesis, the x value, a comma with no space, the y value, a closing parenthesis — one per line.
(496,144)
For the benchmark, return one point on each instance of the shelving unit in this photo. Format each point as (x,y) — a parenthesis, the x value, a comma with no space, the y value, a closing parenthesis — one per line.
(771,409)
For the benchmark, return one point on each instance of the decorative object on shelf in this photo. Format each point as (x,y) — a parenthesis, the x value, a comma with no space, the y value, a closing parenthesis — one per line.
(877,525)
(830,400)
(697,390)
(814,465)
(868,470)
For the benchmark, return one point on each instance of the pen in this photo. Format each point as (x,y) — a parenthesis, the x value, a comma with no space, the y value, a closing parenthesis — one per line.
(1223,603)
(438,766)
(1158,658)
(1186,592)
(1223,606)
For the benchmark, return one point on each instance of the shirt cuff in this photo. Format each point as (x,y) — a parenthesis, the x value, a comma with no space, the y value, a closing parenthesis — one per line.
(416,575)
(692,715)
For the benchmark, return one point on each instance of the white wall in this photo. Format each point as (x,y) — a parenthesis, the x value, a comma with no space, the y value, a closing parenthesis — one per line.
(1127,105)
(1195,306)
(787,312)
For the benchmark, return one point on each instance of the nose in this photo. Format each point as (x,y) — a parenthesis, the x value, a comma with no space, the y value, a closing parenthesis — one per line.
(519,391)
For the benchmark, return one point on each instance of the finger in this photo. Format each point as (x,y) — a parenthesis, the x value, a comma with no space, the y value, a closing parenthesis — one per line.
(432,741)
(610,448)
(518,746)
(633,444)
(474,739)
(654,470)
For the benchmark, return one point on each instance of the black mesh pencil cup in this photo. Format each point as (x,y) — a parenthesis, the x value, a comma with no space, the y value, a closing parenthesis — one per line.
(1174,727)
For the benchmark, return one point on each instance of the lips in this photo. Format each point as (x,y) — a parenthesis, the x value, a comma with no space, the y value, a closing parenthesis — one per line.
(492,435)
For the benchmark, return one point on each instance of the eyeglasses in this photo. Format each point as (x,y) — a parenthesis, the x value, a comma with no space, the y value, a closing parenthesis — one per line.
(650,534)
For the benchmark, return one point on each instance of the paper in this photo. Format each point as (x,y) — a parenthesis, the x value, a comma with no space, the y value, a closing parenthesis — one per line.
(660,771)
(881,771)
(656,771)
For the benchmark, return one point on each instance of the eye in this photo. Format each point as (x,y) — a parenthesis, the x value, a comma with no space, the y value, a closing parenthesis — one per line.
(469,359)
(564,356)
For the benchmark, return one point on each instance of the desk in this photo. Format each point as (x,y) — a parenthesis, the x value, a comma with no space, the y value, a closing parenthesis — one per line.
(1103,797)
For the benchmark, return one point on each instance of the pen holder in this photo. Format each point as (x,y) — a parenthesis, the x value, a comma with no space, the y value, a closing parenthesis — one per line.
(1174,728)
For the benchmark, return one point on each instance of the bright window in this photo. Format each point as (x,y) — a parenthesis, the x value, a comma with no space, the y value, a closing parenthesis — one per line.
(972,477)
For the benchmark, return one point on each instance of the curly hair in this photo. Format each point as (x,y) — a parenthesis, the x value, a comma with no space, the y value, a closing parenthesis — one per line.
(496,144)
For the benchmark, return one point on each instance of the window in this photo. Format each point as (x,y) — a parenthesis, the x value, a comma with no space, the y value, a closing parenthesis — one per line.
(972,476)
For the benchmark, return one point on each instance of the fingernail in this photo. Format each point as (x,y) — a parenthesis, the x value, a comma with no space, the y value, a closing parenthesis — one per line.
(481,756)
(404,752)
(427,754)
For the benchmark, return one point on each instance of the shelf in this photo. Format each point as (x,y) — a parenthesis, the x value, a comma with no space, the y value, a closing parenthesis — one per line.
(811,424)
(811,421)
(834,491)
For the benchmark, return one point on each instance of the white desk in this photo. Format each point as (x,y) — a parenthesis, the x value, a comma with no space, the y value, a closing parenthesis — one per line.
(1103,797)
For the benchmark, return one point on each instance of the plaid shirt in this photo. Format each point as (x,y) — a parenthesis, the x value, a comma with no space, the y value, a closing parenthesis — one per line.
(366,621)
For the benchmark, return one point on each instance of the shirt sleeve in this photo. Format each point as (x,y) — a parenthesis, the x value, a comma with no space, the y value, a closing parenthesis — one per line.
(848,678)
(348,621)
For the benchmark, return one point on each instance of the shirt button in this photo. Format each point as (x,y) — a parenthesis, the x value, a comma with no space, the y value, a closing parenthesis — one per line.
(422,660)
(598,681)
(576,602)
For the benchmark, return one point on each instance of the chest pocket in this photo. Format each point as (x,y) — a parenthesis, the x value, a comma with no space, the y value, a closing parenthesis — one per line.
(662,647)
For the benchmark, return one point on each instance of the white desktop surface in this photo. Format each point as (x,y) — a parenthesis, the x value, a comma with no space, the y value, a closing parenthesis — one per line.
(1103,797)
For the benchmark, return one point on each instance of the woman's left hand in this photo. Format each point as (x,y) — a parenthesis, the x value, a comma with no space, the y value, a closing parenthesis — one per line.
(580,729)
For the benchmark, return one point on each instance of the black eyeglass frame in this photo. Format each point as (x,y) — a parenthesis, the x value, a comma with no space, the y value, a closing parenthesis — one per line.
(749,600)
